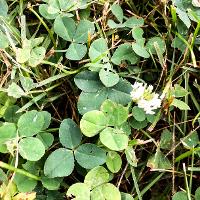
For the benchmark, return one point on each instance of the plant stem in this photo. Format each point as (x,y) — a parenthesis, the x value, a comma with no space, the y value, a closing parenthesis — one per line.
(135,183)
(44,24)
(20,171)
(150,185)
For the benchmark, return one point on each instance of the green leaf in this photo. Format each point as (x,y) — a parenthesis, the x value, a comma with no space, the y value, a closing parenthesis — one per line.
(124,52)
(159,161)
(32,167)
(180,91)
(70,5)
(190,141)
(140,50)
(4,99)
(46,138)
(3,148)
(98,50)
(3,176)
(114,25)
(60,163)
(179,44)
(52,195)
(113,161)
(134,22)
(47,119)
(118,12)
(69,134)
(125,127)
(166,139)
(23,55)
(43,10)
(51,183)
(36,41)
(120,93)
(95,67)
(79,191)
(151,118)
(65,27)
(53,6)
(3,9)
(113,139)
(136,124)
(116,113)
(197,194)
(31,148)
(131,157)
(106,192)
(180,196)
(137,34)
(126,196)
(84,30)
(88,81)
(89,156)
(76,51)
(27,83)
(85,104)
(30,123)
(138,114)
(96,176)
(150,46)
(24,183)
(92,123)
(7,131)
(4,41)
(180,104)
(183,17)
(108,78)
(37,56)
(15,91)
(8,112)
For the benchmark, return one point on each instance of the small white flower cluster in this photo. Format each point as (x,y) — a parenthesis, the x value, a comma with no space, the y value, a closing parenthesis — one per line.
(145,98)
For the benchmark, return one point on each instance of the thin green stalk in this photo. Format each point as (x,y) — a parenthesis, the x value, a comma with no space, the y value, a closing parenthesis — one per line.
(186,101)
(135,183)
(150,185)
(186,154)
(194,99)
(145,133)
(190,48)
(191,172)
(186,182)
(56,77)
(197,29)
(195,118)
(20,171)
(157,118)
(194,169)
(44,24)
(21,2)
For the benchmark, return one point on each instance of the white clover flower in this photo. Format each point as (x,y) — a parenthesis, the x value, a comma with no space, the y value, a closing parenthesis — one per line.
(145,98)
(138,91)
(150,105)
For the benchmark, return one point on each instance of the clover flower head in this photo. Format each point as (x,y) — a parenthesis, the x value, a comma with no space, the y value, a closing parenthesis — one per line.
(138,91)
(145,97)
